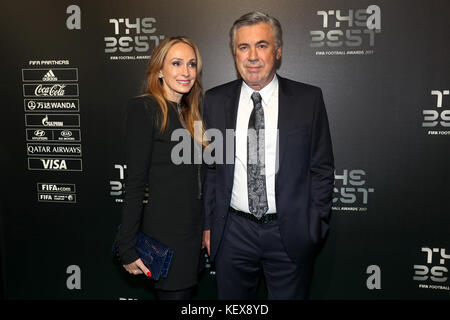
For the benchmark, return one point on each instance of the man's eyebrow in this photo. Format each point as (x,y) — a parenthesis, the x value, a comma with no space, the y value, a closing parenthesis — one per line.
(259,42)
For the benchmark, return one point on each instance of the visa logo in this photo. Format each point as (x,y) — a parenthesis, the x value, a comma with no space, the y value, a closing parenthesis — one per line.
(54,164)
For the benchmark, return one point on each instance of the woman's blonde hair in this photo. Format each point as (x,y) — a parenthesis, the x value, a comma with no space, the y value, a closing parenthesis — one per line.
(190,104)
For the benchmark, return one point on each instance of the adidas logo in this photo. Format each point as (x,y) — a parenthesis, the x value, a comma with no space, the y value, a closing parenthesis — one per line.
(49,76)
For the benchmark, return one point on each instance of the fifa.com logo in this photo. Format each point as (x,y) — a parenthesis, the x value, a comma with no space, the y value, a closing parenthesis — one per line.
(361,27)
(435,269)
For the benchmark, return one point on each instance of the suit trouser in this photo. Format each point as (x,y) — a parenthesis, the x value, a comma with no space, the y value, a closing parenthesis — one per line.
(250,249)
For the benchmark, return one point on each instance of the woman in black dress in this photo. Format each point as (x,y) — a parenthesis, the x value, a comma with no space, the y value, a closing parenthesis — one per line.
(173,212)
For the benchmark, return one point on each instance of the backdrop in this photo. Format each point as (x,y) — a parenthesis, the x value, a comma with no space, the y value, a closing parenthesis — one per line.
(68,68)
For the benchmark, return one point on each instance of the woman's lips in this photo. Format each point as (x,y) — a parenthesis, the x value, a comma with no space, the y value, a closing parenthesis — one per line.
(184,82)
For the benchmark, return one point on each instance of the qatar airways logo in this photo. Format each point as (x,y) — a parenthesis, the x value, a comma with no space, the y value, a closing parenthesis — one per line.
(56,90)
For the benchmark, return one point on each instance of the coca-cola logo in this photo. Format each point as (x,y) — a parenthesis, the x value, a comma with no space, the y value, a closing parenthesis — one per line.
(56,90)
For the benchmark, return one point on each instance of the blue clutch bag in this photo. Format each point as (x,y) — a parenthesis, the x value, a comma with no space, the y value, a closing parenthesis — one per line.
(156,256)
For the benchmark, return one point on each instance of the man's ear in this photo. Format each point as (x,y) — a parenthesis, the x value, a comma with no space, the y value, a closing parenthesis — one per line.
(278,53)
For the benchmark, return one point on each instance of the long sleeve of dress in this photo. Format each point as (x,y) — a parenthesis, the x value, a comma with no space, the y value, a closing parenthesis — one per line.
(139,130)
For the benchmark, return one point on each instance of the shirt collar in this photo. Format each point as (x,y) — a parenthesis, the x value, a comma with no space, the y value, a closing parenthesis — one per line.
(266,92)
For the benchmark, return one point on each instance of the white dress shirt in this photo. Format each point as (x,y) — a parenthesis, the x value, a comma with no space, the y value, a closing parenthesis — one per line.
(269,95)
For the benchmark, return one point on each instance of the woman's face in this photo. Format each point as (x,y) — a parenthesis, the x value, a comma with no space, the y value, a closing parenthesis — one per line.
(179,71)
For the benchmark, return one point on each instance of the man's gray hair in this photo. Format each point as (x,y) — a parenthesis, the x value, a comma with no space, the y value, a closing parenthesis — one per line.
(256,17)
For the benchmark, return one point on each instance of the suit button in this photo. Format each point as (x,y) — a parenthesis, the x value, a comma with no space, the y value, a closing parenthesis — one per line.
(223,217)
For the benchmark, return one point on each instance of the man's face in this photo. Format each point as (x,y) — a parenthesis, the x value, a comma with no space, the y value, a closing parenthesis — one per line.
(255,54)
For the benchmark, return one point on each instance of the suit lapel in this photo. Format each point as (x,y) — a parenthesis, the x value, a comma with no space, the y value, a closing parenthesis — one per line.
(231,111)
(285,104)
(232,105)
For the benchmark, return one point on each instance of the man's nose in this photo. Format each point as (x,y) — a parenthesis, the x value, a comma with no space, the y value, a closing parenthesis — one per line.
(253,55)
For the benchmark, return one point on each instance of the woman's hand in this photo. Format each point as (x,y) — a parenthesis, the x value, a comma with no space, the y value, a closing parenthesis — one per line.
(137,267)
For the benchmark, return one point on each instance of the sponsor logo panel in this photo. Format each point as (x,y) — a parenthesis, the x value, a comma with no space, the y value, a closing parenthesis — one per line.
(72,135)
(60,150)
(56,187)
(53,135)
(55,164)
(56,197)
(50,75)
(53,105)
(52,116)
(50,90)
(52,120)
(56,192)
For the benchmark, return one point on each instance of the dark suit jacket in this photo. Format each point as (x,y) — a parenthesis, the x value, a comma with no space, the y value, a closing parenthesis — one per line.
(305,177)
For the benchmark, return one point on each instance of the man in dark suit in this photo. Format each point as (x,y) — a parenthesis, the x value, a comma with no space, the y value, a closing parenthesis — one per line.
(267,201)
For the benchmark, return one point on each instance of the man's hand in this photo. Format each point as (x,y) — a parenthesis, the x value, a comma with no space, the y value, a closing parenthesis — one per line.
(205,241)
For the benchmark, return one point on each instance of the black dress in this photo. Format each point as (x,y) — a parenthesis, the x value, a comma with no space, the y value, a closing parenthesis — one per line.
(173,213)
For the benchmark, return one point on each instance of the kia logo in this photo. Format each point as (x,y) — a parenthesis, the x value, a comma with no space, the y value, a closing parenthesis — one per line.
(66,133)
